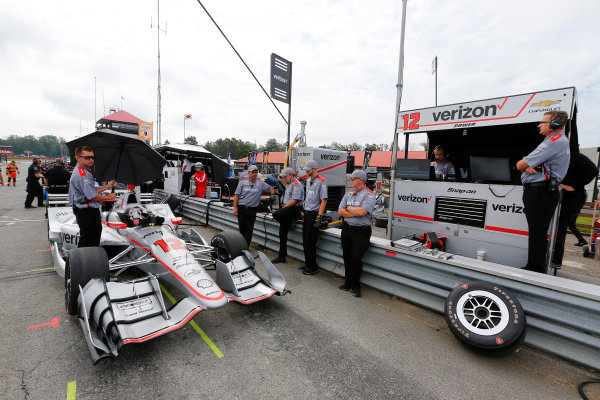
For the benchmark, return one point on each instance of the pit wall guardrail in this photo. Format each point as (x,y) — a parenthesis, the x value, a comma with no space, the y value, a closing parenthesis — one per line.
(563,316)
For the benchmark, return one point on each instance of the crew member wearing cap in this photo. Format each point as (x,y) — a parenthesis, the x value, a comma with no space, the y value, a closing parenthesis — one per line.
(85,198)
(34,189)
(244,173)
(57,178)
(292,200)
(246,201)
(543,169)
(356,207)
(200,180)
(314,207)
(443,168)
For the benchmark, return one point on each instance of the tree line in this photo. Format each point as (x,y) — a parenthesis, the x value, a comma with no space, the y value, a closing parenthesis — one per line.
(47,145)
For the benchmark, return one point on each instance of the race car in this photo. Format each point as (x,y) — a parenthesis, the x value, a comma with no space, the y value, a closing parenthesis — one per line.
(136,237)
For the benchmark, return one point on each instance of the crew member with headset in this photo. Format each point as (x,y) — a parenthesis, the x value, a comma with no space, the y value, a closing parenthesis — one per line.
(443,168)
(542,170)
(356,207)
(314,207)
(292,203)
(85,198)
(34,189)
(246,201)
(200,180)
(57,178)
(581,171)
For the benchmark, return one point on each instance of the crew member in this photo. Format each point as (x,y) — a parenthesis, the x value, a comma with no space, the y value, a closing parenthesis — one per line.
(57,178)
(85,198)
(443,168)
(246,201)
(542,170)
(34,189)
(244,173)
(356,207)
(11,172)
(581,171)
(1,177)
(186,169)
(314,207)
(200,180)
(292,200)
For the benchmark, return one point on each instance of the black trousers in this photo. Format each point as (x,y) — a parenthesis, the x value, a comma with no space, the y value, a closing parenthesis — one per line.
(309,239)
(34,189)
(285,216)
(90,226)
(570,206)
(355,242)
(539,208)
(185,182)
(246,217)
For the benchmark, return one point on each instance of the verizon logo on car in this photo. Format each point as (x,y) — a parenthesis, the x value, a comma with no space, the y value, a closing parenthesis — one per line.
(414,199)
(511,208)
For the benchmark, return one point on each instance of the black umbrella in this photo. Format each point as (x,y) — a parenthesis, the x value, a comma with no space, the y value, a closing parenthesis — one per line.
(120,156)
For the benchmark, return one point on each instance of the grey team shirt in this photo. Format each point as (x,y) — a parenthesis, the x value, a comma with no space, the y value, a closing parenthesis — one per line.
(443,168)
(316,190)
(364,198)
(294,191)
(553,155)
(250,192)
(82,189)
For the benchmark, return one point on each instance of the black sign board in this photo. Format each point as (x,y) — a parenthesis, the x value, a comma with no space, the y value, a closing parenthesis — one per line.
(281,79)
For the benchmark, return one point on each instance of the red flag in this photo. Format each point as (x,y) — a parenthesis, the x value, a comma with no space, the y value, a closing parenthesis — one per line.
(188,116)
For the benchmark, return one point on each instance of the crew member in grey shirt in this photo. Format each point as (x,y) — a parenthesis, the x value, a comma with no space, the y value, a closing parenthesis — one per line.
(246,201)
(314,207)
(292,203)
(542,170)
(356,207)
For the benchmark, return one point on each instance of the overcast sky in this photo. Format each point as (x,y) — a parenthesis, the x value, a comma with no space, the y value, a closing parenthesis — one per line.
(344,54)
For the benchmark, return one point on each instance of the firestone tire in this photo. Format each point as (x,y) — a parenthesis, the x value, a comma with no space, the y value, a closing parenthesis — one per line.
(228,245)
(486,318)
(83,264)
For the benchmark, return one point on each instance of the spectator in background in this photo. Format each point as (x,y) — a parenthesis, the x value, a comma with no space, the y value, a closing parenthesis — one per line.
(186,169)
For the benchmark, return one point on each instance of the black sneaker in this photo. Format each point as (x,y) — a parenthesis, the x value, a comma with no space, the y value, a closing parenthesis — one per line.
(355,292)
(307,271)
(581,244)
(278,260)
(30,207)
(345,287)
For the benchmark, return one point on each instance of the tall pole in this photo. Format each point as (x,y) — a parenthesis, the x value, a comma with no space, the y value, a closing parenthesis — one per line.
(95,119)
(434,66)
(289,118)
(397,110)
(184,129)
(158,95)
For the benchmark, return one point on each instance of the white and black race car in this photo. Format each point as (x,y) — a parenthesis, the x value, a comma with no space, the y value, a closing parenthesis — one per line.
(140,242)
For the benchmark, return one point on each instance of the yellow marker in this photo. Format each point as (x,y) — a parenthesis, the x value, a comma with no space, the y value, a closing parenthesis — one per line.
(34,270)
(194,325)
(71,390)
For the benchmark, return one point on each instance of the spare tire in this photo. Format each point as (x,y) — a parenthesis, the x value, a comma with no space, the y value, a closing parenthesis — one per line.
(486,318)
(381,221)
(228,245)
(83,264)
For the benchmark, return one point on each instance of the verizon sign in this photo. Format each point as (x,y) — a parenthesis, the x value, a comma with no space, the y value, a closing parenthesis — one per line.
(529,107)
(281,79)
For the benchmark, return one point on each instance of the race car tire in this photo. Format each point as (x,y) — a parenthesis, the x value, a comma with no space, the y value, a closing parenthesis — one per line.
(228,245)
(381,221)
(173,202)
(486,318)
(83,264)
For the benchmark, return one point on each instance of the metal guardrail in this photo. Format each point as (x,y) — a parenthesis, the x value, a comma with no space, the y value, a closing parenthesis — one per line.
(563,316)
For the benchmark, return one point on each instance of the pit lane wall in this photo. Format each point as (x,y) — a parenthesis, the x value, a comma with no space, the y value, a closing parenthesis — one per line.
(562,315)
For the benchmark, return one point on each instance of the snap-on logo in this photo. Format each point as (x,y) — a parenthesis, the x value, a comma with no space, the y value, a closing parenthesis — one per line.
(511,208)
(453,190)
(414,199)
(331,156)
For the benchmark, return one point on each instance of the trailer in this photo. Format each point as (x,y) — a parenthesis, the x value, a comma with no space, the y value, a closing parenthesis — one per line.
(479,212)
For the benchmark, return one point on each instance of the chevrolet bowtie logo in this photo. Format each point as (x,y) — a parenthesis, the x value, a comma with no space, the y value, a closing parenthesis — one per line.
(545,103)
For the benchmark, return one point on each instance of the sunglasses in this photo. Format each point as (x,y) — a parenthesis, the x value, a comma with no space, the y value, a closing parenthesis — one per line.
(88,157)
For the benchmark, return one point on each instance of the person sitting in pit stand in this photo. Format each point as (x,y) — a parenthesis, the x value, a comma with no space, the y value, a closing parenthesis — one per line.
(200,180)
(444,169)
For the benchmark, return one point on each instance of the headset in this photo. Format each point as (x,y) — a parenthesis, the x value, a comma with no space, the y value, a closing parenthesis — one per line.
(559,120)
(440,147)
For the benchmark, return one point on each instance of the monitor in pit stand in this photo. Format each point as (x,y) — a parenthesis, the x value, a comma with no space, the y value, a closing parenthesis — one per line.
(413,169)
(490,169)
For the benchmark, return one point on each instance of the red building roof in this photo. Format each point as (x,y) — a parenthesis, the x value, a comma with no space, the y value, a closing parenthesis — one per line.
(123,116)
(382,159)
